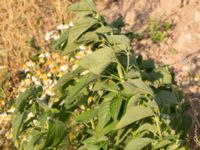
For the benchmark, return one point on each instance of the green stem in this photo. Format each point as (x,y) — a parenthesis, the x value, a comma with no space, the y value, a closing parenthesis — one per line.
(92,124)
(128,61)
(158,126)
(124,136)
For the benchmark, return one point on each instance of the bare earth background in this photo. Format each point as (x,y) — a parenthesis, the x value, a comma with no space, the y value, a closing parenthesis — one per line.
(181,50)
(25,22)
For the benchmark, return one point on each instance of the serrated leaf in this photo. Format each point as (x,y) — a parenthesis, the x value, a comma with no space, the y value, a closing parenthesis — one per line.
(133,101)
(146,127)
(111,86)
(104,114)
(79,28)
(55,134)
(110,127)
(98,60)
(138,143)
(75,90)
(134,86)
(119,42)
(84,5)
(115,107)
(88,38)
(17,124)
(162,144)
(134,114)
(87,115)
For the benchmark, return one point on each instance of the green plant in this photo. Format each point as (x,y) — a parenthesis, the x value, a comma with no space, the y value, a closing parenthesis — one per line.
(158,31)
(112,100)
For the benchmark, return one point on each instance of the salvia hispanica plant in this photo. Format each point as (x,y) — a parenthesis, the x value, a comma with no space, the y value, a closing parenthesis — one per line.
(112,99)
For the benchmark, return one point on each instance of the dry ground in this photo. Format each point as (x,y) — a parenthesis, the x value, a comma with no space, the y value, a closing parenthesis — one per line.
(23,22)
(181,50)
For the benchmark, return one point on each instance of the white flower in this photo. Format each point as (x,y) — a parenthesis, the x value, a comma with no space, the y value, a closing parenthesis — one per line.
(30,115)
(30,64)
(34,79)
(80,55)
(74,67)
(50,92)
(12,110)
(85,72)
(42,97)
(42,55)
(64,68)
(49,35)
(62,27)
(89,52)
(38,83)
(71,24)
(49,75)
(28,75)
(47,54)
(55,37)
(82,47)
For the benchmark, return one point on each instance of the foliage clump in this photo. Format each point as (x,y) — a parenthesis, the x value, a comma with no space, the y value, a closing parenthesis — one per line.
(113,99)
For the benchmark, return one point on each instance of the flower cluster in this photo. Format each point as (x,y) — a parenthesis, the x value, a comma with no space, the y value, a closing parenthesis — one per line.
(54,34)
(5,132)
(44,72)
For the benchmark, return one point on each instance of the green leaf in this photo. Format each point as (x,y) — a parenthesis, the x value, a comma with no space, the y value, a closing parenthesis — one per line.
(35,139)
(138,143)
(66,78)
(87,116)
(146,127)
(80,27)
(166,75)
(166,98)
(95,140)
(63,38)
(22,100)
(133,101)
(111,86)
(18,123)
(84,5)
(104,29)
(110,127)
(162,144)
(98,60)
(115,107)
(104,114)
(75,90)
(134,114)
(119,42)
(55,134)
(88,38)
(134,86)
(147,64)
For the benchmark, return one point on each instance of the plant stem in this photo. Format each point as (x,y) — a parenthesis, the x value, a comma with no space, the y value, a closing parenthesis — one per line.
(158,126)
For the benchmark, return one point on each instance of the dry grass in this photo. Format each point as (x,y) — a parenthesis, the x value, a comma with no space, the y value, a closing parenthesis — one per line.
(23,20)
